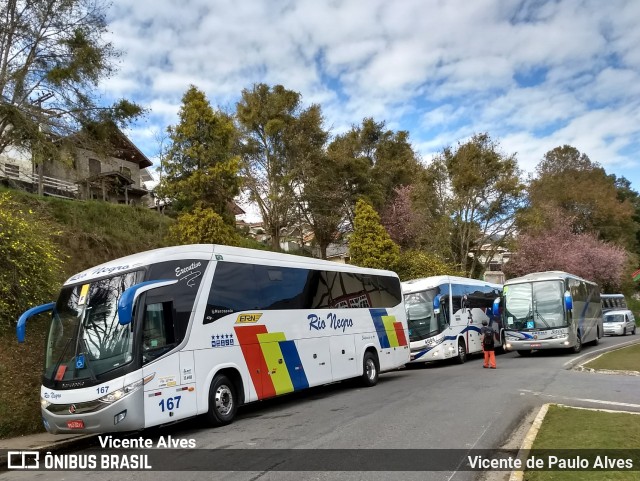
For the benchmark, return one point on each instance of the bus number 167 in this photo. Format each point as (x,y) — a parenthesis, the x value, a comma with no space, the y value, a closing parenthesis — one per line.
(171,403)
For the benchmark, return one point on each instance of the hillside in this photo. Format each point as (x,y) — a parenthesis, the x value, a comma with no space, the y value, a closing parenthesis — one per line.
(86,234)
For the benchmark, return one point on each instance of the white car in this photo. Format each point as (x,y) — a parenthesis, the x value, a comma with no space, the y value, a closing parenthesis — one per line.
(619,322)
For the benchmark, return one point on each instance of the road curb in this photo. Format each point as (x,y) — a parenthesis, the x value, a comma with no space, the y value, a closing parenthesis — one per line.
(578,362)
(529,438)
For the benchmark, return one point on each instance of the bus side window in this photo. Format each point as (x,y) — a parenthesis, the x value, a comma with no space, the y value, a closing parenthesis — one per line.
(158,334)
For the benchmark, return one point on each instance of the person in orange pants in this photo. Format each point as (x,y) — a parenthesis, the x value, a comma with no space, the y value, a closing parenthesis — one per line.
(487,339)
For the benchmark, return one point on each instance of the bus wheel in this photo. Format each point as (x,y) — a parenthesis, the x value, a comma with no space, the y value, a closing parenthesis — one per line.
(578,347)
(223,402)
(524,353)
(370,370)
(462,352)
(503,343)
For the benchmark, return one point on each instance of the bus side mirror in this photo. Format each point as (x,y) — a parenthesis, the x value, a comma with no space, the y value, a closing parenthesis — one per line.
(21,328)
(436,304)
(568,301)
(495,310)
(129,296)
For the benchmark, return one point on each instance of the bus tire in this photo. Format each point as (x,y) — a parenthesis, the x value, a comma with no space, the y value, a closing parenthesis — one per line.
(223,401)
(503,343)
(578,347)
(370,369)
(524,353)
(462,352)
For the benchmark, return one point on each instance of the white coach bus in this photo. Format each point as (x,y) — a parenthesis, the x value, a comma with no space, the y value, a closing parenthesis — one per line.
(445,314)
(550,310)
(172,333)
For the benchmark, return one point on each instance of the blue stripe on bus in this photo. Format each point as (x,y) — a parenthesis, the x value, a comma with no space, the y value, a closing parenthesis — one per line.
(377,314)
(292,360)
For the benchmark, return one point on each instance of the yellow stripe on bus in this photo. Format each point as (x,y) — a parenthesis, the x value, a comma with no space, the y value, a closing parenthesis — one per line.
(275,361)
(391,330)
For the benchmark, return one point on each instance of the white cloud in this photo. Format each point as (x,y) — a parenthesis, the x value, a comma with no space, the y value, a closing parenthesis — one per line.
(534,75)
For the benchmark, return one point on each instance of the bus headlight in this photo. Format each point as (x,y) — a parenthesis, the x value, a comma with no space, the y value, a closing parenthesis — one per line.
(44,403)
(559,336)
(120,393)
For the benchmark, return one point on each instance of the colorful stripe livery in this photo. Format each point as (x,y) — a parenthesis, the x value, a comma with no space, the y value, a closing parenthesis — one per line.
(390,332)
(264,353)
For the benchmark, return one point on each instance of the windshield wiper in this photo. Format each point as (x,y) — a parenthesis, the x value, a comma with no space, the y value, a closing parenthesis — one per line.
(542,319)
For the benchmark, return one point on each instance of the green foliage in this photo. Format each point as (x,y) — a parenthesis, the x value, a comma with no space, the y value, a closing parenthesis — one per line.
(54,55)
(481,191)
(270,121)
(30,262)
(202,226)
(581,188)
(370,245)
(200,165)
(415,264)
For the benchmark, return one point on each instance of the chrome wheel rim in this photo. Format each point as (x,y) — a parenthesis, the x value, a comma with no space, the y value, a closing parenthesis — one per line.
(371,369)
(224,400)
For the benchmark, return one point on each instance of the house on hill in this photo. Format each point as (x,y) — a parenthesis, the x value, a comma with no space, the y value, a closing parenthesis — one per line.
(117,176)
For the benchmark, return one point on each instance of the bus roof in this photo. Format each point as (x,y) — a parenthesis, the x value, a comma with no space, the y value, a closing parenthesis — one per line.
(415,285)
(545,276)
(208,252)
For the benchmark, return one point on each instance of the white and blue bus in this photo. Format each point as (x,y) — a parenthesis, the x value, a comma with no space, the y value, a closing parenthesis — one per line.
(445,314)
(172,333)
(547,310)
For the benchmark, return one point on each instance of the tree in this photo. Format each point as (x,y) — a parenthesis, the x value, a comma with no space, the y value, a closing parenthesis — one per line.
(268,119)
(371,163)
(481,190)
(415,264)
(202,225)
(558,247)
(400,219)
(319,199)
(52,57)
(200,165)
(583,191)
(370,245)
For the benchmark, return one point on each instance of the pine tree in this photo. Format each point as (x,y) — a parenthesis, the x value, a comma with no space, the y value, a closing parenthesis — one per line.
(200,166)
(370,244)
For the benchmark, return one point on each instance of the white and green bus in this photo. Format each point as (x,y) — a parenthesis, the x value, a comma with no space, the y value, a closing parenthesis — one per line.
(550,310)
(172,333)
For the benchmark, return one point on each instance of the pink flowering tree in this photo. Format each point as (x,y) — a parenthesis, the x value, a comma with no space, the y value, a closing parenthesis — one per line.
(559,248)
(399,217)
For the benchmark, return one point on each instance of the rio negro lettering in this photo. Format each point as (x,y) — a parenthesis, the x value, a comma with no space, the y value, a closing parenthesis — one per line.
(316,323)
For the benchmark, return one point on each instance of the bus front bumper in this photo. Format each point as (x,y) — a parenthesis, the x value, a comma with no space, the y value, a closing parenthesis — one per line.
(126,414)
(537,344)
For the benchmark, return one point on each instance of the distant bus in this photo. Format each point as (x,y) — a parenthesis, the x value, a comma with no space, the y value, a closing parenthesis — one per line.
(172,333)
(612,302)
(547,310)
(445,314)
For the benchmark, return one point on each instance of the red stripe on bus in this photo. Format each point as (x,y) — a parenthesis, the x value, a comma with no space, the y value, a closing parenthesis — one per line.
(402,339)
(258,370)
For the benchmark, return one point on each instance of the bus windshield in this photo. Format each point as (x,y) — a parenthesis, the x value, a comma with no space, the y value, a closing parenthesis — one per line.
(85,339)
(534,305)
(422,321)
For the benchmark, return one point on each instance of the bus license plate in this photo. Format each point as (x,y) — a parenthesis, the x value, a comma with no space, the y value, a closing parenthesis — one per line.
(78,424)
(535,345)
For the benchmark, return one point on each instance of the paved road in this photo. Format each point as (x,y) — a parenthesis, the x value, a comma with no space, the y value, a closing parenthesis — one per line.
(436,406)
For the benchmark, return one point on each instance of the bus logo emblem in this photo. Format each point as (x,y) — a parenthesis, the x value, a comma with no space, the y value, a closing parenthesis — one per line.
(72,408)
(248,318)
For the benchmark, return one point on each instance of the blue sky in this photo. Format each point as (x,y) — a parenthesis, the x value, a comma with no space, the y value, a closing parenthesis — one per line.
(533,74)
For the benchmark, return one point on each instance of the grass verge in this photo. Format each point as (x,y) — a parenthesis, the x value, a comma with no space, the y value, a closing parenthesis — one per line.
(569,428)
(626,359)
